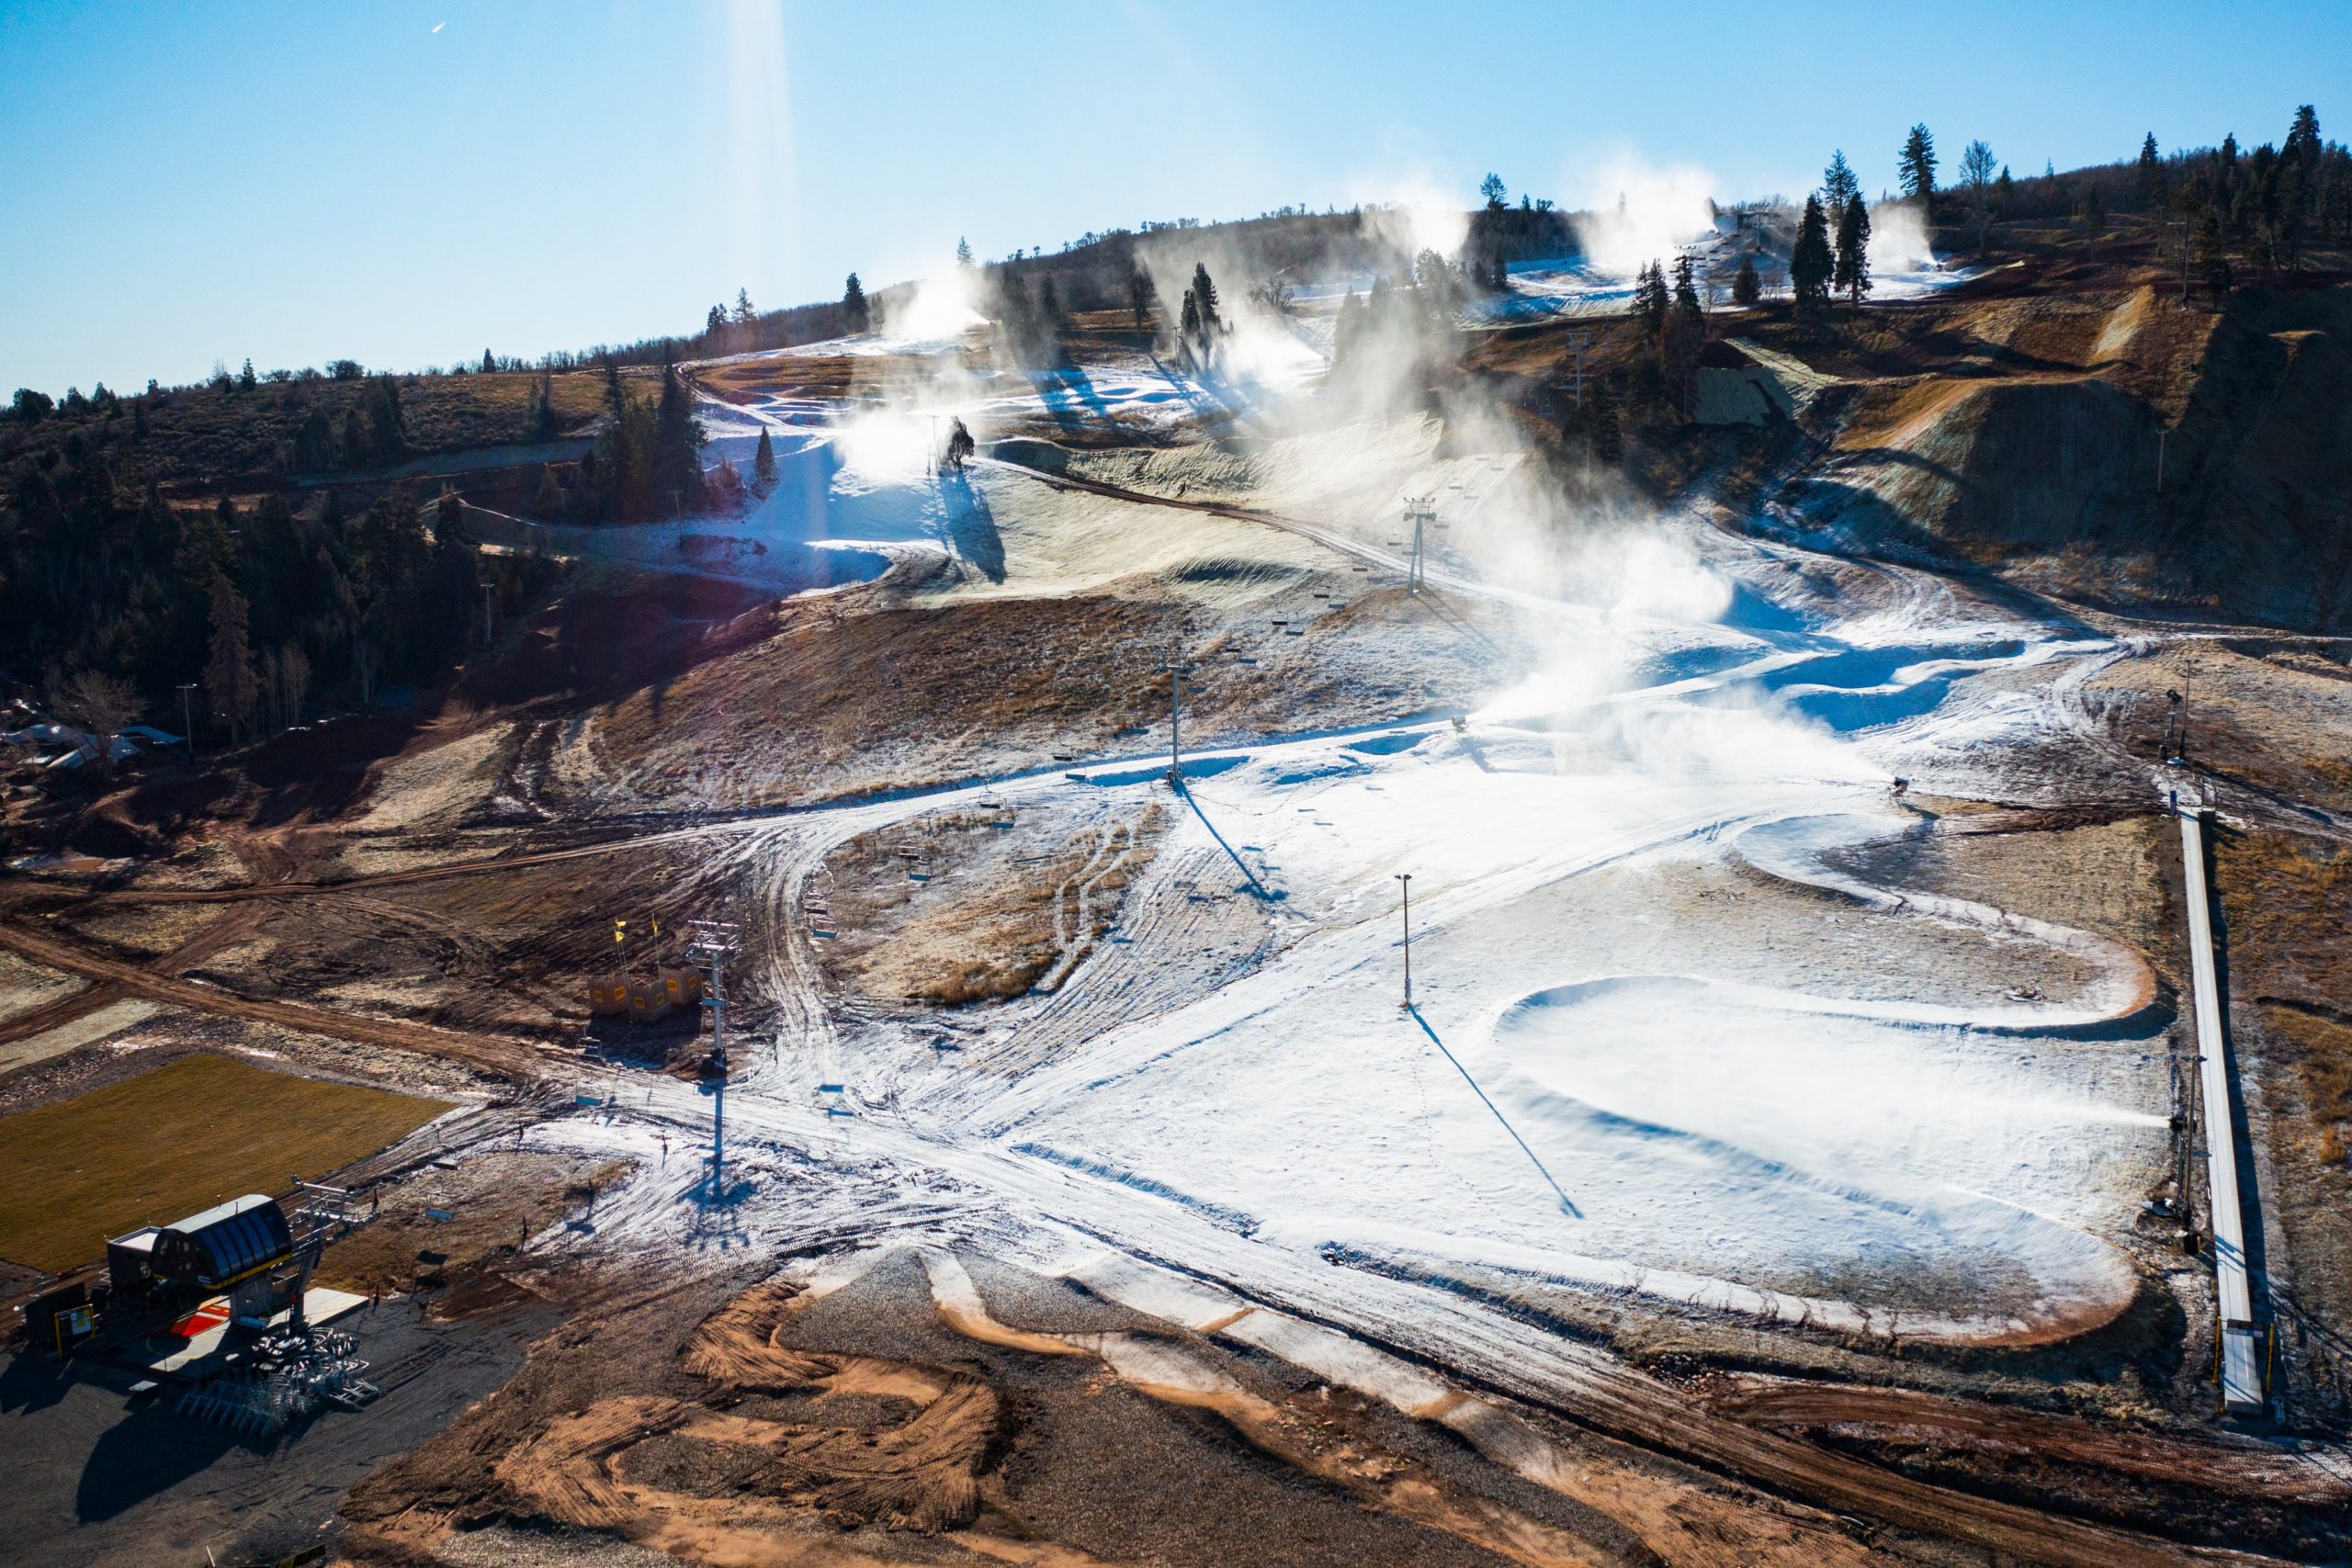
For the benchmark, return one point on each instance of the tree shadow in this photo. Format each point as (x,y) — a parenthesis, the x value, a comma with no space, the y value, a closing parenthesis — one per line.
(970,528)
(1061,389)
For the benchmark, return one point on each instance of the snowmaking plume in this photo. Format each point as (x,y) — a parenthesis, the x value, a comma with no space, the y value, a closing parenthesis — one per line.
(1636,212)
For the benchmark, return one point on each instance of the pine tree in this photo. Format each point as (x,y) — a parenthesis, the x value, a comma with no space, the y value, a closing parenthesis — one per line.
(1917,163)
(230,687)
(313,449)
(1204,299)
(1811,266)
(1600,425)
(1746,289)
(714,323)
(855,312)
(763,463)
(744,314)
(1492,188)
(960,445)
(1839,184)
(1851,275)
(2214,258)
(677,444)
(1346,329)
(963,252)
(1651,300)
(1685,289)
(548,500)
(246,378)
(2148,174)
(543,420)
(1139,295)
(489,361)
(1685,329)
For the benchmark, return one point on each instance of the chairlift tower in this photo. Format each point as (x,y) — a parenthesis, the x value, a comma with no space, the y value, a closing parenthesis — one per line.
(710,944)
(1176,670)
(1421,510)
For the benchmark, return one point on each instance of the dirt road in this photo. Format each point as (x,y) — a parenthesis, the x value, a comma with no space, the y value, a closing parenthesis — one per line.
(517,1064)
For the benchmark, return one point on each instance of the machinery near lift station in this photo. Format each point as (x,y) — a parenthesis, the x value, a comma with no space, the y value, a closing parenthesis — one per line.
(642,993)
(220,1303)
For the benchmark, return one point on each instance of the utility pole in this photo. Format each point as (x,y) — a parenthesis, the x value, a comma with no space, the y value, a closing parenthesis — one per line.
(711,943)
(1176,670)
(188,716)
(1421,510)
(1405,878)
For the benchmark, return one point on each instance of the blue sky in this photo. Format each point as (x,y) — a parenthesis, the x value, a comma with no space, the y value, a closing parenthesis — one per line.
(298,182)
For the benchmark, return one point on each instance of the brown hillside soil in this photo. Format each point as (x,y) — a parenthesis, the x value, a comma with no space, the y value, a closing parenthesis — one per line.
(2287,900)
(997,911)
(196,436)
(2241,1491)
(2027,434)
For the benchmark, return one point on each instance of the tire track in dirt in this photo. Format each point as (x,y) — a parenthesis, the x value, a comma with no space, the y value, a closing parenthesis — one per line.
(516,1064)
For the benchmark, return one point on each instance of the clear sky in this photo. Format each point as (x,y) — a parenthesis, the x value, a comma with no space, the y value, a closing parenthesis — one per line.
(408,183)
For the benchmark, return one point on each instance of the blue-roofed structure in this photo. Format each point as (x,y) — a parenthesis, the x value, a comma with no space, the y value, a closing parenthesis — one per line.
(230,1242)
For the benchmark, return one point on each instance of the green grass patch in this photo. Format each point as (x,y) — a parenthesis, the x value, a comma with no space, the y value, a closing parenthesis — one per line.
(164,1144)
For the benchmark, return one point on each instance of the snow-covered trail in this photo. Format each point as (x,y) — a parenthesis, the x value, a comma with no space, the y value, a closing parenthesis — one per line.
(1182,1098)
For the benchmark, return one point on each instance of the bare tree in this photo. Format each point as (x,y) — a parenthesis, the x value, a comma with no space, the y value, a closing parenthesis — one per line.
(100,702)
(1978,168)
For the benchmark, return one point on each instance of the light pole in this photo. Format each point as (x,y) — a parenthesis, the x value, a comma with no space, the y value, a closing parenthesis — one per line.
(1406,879)
(188,716)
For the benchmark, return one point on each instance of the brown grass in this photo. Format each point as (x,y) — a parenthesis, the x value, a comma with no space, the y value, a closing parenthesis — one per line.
(160,1147)
(995,917)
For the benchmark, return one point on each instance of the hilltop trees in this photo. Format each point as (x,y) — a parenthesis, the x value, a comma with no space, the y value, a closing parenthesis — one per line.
(1851,273)
(963,252)
(1492,188)
(1917,163)
(1811,264)
(2148,174)
(857,315)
